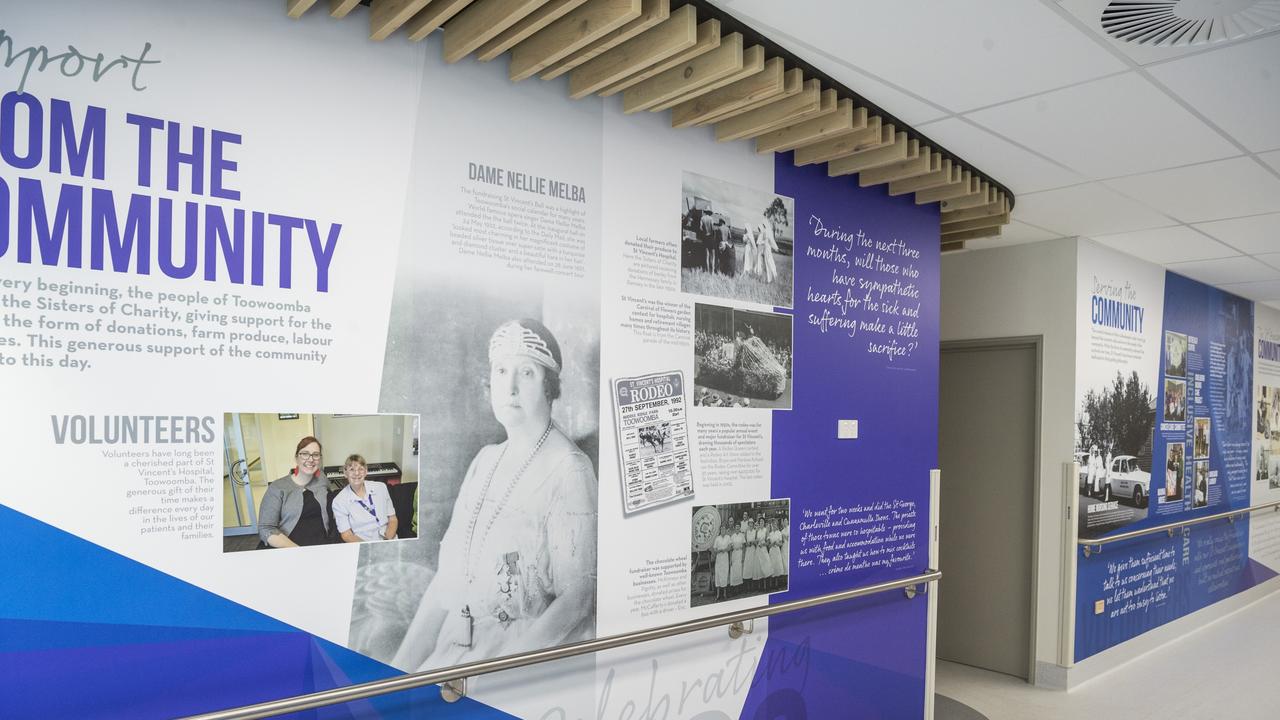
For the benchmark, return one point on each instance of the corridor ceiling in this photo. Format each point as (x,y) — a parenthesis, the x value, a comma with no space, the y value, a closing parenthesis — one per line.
(1170,153)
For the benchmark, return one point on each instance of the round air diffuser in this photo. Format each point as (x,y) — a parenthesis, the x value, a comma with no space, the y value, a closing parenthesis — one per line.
(1180,23)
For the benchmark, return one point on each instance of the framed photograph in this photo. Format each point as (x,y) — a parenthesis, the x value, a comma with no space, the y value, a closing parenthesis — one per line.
(1175,354)
(736,242)
(739,550)
(741,358)
(1175,400)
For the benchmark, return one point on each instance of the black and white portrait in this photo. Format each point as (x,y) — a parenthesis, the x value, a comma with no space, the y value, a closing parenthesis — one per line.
(1201,484)
(505,377)
(736,242)
(1201,444)
(738,550)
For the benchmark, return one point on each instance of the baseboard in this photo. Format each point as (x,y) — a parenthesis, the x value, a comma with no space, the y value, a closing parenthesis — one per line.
(1056,677)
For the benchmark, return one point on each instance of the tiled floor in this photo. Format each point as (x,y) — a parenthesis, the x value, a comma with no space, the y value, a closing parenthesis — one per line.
(1229,670)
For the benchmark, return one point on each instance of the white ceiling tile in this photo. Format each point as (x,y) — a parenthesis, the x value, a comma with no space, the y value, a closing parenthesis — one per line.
(1168,245)
(1236,87)
(946,51)
(1090,209)
(1275,304)
(1240,269)
(1256,234)
(1272,259)
(1272,159)
(1209,191)
(1265,290)
(1119,125)
(1020,170)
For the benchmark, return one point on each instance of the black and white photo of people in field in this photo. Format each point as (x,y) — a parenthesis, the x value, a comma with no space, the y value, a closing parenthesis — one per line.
(736,242)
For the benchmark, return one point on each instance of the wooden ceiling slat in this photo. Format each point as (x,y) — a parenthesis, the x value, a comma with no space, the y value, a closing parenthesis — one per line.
(752,63)
(679,81)
(940,176)
(809,131)
(652,14)
(925,162)
(792,84)
(865,133)
(899,148)
(708,39)
(433,17)
(480,22)
(577,29)
(677,34)
(528,25)
(984,195)
(340,8)
(972,234)
(386,16)
(806,104)
(767,84)
(1001,205)
(295,8)
(953,246)
(976,223)
(963,185)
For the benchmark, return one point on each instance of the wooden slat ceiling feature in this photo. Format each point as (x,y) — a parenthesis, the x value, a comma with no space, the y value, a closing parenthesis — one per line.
(662,59)
(984,195)
(836,123)
(652,14)
(924,162)
(792,84)
(971,234)
(943,175)
(766,84)
(752,63)
(386,16)
(528,25)
(967,184)
(865,133)
(898,147)
(1001,205)
(976,223)
(679,81)
(801,106)
(675,35)
(340,8)
(480,22)
(707,41)
(577,29)
(295,8)
(433,17)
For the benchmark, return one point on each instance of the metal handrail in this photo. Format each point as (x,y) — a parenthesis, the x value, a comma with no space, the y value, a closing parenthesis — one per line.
(459,672)
(1170,527)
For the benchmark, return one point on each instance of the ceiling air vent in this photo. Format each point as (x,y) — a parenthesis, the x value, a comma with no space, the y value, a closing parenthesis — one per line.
(1179,23)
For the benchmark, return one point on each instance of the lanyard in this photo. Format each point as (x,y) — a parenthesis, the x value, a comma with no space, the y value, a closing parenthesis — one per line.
(371,508)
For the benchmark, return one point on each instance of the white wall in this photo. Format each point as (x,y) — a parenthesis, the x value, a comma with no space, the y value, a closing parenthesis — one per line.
(1028,290)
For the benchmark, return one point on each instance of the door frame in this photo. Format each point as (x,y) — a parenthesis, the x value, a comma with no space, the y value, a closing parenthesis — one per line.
(1035,343)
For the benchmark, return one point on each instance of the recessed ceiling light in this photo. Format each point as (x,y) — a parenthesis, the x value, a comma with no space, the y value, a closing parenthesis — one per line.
(1179,23)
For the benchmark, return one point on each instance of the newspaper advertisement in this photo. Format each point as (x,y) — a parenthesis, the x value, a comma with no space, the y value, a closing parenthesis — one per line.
(653,439)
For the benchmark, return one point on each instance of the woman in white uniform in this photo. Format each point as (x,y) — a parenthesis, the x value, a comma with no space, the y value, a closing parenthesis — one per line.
(762,554)
(720,546)
(518,560)
(750,561)
(362,511)
(737,543)
(775,553)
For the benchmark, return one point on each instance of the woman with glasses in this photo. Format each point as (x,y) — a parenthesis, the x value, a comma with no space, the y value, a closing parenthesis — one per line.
(362,511)
(294,511)
(517,565)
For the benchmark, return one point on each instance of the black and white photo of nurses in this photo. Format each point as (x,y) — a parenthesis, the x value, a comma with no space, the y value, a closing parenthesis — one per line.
(1201,496)
(739,550)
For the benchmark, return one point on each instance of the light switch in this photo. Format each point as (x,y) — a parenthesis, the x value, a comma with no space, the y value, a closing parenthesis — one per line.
(847,429)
